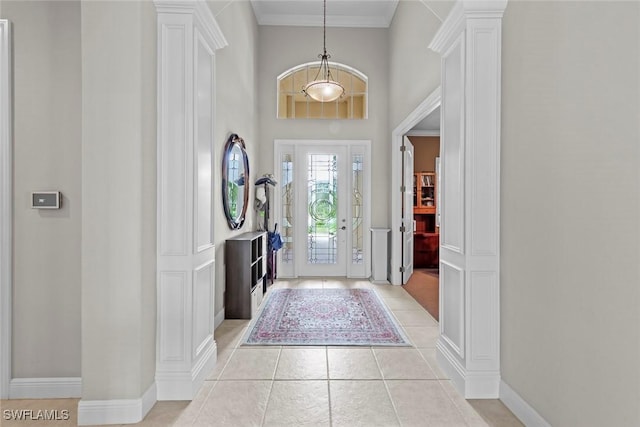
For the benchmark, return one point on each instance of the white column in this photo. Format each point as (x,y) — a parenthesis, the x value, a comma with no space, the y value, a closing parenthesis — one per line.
(379,255)
(469,345)
(186,351)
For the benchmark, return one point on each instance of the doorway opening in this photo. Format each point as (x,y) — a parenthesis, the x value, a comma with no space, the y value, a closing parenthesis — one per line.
(402,215)
(423,283)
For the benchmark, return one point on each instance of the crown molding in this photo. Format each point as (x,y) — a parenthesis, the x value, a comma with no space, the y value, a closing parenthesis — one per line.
(316,21)
(455,22)
(200,11)
(349,20)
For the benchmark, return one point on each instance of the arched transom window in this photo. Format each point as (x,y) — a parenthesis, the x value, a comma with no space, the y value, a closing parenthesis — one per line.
(293,104)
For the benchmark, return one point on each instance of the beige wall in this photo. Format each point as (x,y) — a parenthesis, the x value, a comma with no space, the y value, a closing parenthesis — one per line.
(47,136)
(426,149)
(281,48)
(414,69)
(236,112)
(119,195)
(570,209)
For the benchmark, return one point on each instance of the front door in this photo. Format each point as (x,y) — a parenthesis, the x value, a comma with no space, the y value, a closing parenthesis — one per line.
(321,237)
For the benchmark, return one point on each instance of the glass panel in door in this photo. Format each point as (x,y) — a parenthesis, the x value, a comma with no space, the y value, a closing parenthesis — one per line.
(325,205)
(322,198)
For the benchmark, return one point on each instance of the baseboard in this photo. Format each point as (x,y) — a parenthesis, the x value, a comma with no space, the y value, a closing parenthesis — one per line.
(185,385)
(218,319)
(45,388)
(450,366)
(520,407)
(121,411)
(470,384)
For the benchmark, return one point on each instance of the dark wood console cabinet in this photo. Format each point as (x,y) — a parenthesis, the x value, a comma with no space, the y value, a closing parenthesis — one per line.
(245,274)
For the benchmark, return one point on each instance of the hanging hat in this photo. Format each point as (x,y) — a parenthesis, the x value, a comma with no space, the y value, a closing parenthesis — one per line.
(261,198)
(266,179)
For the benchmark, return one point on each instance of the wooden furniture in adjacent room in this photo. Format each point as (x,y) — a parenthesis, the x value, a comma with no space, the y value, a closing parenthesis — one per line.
(427,233)
(246,269)
(424,193)
(426,250)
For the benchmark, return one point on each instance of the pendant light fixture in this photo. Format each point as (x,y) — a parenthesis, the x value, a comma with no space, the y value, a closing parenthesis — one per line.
(323,88)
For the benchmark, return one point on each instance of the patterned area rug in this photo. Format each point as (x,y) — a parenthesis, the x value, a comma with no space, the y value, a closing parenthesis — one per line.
(325,317)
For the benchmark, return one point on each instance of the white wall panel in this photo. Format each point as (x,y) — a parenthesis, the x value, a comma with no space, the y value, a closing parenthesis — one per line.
(452,318)
(204,145)
(483,93)
(173,299)
(202,308)
(188,37)
(452,157)
(470,44)
(483,326)
(174,135)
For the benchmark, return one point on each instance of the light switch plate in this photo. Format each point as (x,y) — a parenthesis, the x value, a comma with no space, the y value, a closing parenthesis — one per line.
(45,200)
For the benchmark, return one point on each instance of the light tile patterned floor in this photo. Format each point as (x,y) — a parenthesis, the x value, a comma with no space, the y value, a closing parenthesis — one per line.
(322,386)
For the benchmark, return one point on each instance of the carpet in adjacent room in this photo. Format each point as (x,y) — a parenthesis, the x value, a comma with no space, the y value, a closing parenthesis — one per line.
(423,286)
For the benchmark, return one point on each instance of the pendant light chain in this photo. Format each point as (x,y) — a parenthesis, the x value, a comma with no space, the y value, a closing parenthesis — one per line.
(324,89)
(324,28)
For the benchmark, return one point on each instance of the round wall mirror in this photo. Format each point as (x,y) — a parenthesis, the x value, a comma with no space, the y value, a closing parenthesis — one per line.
(235,181)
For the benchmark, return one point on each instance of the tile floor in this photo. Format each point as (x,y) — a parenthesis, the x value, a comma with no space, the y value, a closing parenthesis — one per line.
(320,386)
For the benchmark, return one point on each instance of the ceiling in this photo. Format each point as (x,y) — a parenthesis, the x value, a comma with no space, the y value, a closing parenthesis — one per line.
(340,13)
(431,123)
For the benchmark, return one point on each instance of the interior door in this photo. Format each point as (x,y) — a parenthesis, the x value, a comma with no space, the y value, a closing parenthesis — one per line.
(321,237)
(407,209)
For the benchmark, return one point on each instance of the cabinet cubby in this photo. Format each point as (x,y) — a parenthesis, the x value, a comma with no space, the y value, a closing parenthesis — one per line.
(245,274)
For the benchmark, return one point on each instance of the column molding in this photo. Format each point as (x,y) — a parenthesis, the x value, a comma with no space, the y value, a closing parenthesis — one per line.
(6,207)
(468,349)
(188,37)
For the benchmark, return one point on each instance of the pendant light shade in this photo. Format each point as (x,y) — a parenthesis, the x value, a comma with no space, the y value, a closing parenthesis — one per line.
(323,88)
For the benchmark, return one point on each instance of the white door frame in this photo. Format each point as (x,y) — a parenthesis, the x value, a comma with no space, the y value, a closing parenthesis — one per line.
(6,207)
(426,107)
(282,146)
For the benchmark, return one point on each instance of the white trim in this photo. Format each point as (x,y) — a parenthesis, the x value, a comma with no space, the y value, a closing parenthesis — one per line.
(472,385)
(218,319)
(117,411)
(334,65)
(475,89)
(455,22)
(316,21)
(347,143)
(201,12)
(520,408)
(425,108)
(301,20)
(6,204)
(423,133)
(45,388)
(182,364)
(181,385)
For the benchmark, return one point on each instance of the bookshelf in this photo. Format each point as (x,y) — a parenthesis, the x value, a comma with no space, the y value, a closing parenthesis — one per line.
(424,194)
(426,237)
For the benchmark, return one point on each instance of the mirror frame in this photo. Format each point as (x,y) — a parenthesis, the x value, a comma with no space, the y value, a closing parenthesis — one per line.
(233,141)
